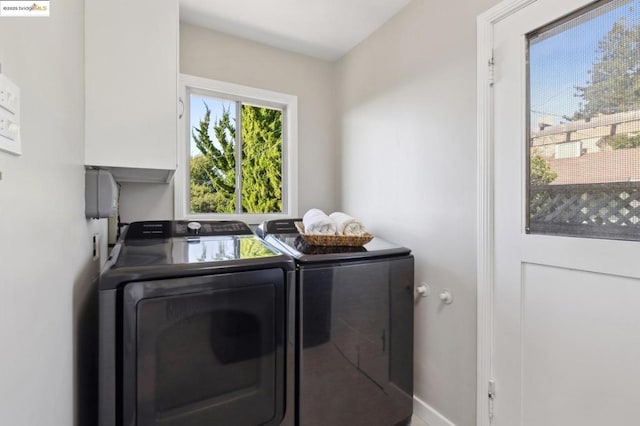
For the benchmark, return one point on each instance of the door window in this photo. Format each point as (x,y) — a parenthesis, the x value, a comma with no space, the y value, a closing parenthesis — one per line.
(584,123)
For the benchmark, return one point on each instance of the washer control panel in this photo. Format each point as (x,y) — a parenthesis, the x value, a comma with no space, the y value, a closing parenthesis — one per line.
(182,228)
(210,228)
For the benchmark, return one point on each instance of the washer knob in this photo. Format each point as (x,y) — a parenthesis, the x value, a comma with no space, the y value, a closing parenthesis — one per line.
(194,227)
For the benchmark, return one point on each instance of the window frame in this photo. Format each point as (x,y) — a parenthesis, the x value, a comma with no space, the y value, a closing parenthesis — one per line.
(235,92)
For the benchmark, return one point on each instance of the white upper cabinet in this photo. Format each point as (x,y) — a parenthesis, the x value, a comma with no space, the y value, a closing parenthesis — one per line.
(131,66)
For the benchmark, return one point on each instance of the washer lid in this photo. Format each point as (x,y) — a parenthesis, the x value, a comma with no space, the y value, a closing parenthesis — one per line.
(175,251)
(192,249)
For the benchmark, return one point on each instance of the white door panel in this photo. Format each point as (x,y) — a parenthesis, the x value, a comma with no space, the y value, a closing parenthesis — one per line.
(566,322)
(580,347)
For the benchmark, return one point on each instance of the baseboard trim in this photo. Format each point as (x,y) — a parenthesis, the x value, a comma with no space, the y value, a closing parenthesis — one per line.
(429,414)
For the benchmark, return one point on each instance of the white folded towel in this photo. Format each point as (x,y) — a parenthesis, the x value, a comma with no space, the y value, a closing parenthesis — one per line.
(347,225)
(317,222)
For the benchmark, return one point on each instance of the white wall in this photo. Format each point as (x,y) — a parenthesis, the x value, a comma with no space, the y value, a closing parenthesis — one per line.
(210,54)
(48,317)
(408,132)
(146,201)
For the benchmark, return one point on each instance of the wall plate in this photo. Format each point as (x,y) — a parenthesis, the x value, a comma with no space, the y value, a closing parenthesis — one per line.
(9,116)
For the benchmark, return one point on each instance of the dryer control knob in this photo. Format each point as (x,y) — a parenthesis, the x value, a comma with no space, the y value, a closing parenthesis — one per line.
(194,227)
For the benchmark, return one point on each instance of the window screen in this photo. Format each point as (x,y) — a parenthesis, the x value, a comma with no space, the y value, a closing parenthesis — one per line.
(584,124)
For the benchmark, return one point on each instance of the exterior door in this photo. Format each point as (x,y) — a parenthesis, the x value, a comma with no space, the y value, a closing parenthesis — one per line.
(565,316)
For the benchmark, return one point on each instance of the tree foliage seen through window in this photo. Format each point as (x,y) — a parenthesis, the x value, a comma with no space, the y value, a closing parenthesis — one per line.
(615,80)
(614,84)
(541,173)
(213,168)
(261,160)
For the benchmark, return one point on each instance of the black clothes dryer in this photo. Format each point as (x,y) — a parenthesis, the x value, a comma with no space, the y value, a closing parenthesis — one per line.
(195,328)
(354,328)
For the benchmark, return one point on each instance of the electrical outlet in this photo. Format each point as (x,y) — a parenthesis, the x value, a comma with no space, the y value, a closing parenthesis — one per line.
(96,246)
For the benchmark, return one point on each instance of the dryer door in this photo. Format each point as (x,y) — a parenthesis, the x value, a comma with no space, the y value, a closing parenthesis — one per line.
(205,350)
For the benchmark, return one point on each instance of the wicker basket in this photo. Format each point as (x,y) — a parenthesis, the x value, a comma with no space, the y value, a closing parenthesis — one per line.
(334,240)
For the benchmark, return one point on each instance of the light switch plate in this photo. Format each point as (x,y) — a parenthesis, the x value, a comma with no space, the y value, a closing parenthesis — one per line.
(9,116)
(8,126)
(9,94)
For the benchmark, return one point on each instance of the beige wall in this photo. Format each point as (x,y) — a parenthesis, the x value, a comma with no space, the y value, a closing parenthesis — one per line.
(408,137)
(48,315)
(206,53)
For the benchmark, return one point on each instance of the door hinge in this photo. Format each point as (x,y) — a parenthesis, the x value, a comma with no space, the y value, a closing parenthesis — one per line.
(492,397)
(492,65)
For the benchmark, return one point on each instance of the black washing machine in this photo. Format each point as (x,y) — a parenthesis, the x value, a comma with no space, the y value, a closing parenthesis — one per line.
(354,329)
(195,328)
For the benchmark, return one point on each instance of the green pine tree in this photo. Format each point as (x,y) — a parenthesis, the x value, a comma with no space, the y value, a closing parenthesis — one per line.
(261,160)
(615,77)
(213,172)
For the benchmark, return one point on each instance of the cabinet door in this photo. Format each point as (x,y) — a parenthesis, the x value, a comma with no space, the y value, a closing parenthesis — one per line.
(131,57)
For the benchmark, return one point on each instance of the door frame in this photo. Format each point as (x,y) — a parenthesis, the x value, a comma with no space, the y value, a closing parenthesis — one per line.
(485,210)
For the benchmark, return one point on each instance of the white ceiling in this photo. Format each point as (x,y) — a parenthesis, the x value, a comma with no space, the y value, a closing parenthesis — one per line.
(326,29)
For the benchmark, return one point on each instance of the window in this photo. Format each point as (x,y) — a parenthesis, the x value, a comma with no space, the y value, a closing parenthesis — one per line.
(584,123)
(237,152)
